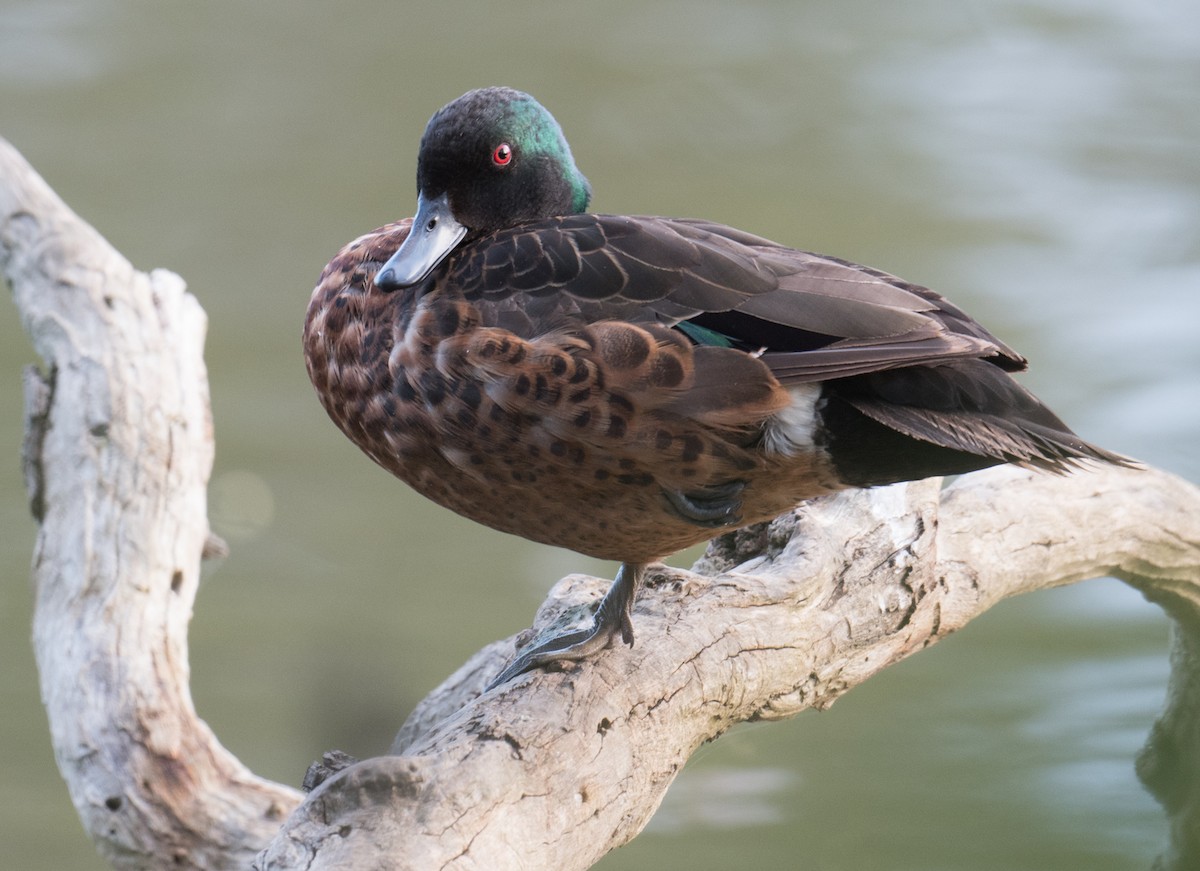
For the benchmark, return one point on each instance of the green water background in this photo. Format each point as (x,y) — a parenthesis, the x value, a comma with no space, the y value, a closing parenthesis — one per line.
(1037,161)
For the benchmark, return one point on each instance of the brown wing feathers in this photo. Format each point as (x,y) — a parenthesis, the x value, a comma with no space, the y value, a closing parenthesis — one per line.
(759,295)
(609,289)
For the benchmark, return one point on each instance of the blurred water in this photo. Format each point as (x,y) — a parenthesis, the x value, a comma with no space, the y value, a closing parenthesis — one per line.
(1035,160)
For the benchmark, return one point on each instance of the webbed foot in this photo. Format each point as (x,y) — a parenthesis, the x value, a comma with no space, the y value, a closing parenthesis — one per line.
(612,617)
(714,506)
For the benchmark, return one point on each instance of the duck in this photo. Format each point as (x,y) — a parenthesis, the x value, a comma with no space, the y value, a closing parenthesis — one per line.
(628,386)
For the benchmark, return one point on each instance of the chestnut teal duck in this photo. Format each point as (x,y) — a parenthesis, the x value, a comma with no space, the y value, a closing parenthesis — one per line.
(628,386)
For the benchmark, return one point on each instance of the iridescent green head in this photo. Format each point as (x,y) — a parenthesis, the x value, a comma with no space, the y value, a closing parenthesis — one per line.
(491,159)
(502,158)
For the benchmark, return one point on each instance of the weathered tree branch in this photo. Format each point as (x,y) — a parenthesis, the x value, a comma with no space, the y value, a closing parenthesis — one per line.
(554,769)
(118,452)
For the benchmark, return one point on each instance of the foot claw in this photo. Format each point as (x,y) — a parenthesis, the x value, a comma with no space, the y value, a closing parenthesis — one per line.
(627,629)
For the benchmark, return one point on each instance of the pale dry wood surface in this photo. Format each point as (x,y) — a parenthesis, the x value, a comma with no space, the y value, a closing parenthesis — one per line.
(118,452)
(554,769)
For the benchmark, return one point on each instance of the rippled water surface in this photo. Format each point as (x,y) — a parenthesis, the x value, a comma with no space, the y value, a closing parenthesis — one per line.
(1035,160)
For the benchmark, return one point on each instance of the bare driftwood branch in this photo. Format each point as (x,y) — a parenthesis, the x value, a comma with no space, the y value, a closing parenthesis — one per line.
(117,456)
(556,768)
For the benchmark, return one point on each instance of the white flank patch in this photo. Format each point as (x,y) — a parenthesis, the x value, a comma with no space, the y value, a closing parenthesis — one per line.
(790,431)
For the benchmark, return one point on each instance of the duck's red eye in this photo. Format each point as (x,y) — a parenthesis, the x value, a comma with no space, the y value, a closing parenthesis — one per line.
(502,156)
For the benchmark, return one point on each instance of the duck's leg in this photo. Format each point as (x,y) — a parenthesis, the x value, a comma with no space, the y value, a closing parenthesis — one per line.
(612,617)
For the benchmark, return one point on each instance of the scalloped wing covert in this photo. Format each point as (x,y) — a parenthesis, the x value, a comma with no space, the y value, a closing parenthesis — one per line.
(811,317)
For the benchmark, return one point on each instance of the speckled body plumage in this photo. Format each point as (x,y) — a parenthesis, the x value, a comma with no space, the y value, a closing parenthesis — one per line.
(627,386)
(535,432)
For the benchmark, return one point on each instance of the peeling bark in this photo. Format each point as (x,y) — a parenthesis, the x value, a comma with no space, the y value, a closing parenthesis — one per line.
(556,768)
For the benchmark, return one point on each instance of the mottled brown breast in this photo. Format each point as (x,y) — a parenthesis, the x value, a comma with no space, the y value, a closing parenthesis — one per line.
(569,436)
